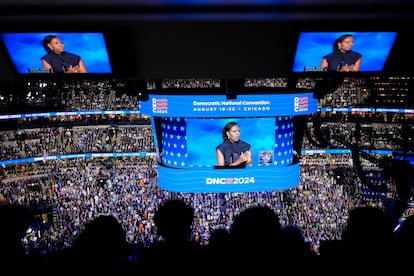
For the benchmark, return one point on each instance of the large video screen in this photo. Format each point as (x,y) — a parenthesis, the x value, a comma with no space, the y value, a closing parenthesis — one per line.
(339,51)
(65,52)
(188,128)
(192,142)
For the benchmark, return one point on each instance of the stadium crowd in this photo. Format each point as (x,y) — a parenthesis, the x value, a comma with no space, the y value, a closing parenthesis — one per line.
(67,194)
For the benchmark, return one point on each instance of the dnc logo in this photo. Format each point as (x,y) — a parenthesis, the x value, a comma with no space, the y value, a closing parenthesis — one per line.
(301,104)
(160,106)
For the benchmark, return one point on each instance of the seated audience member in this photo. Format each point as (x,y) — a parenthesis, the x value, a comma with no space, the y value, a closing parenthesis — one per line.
(101,248)
(295,246)
(176,253)
(367,243)
(15,222)
(405,238)
(256,240)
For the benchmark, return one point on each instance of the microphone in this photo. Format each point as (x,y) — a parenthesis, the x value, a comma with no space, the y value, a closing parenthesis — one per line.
(340,65)
(65,66)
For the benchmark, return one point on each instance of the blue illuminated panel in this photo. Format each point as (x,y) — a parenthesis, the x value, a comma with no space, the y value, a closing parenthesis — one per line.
(250,179)
(219,106)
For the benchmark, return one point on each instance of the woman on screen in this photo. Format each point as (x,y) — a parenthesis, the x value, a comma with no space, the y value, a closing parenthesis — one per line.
(59,61)
(342,59)
(233,151)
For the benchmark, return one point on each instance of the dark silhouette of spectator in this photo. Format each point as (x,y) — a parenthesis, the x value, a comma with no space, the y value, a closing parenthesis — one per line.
(367,242)
(15,220)
(405,238)
(218,247)
(295,246)
(256,240)
(176,253)
(101,247)
(368,226)
(219,239)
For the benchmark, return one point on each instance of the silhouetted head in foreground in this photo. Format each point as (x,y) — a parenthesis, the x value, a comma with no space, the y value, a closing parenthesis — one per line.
(256,226)
(15,220)
(173,220)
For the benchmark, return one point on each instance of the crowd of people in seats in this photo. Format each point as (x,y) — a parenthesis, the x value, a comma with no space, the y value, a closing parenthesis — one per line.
(77,139)
(379,136)
(69,193)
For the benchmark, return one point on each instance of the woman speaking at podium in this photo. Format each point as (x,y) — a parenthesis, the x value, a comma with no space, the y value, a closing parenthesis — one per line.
(59,61)
(342,59)
(233,151)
